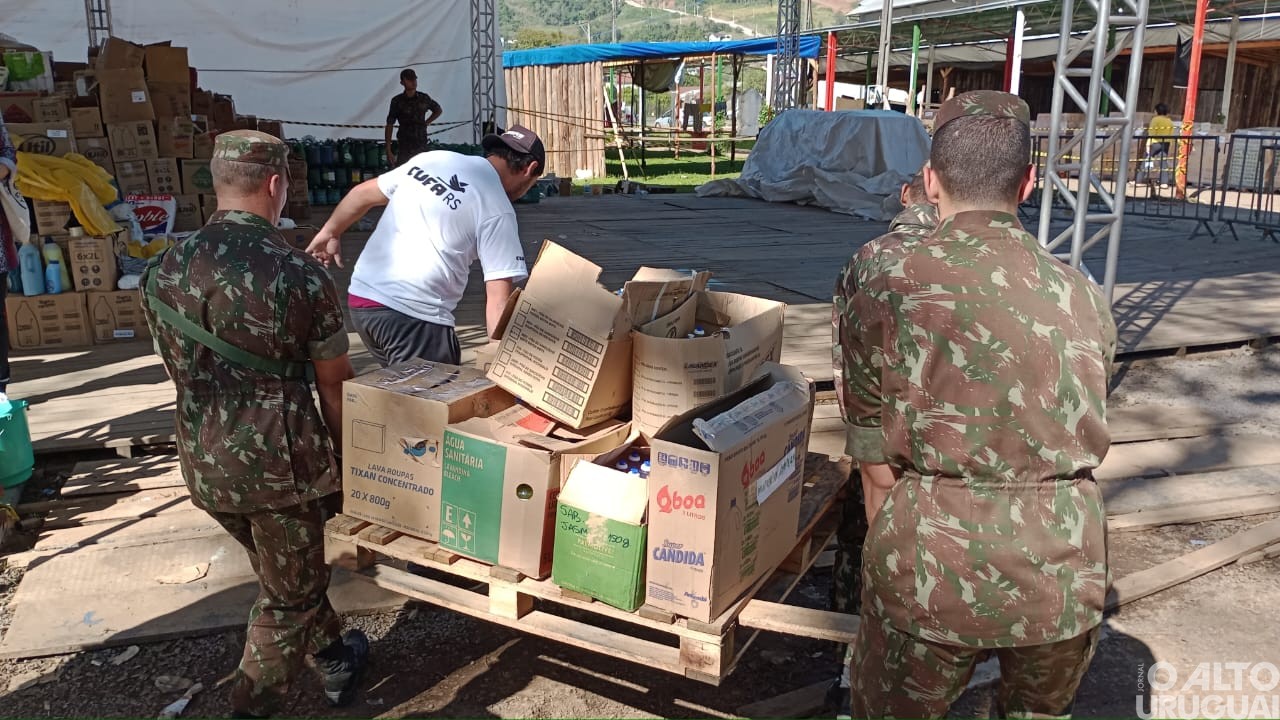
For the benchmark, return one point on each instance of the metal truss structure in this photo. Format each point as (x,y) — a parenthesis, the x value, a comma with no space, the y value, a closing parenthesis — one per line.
(1071,176)
(787,71)
(97,18)
(484,64)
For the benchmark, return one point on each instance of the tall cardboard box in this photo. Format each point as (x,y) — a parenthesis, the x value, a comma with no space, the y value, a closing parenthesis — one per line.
(132,141)
(48,321)
(165,63)
(98,151)
(124,97)
(223,116)
(116,54)
(201,102)
(117,316)
(51,216)
(56,139)
(175,137)
(188,215)
(671,373)
(500,481)
(721,519)
(93,264)
(202,146)
(395,421)
(600,533)
(208,206)
(131,177)
(86,122)
(566,340)
(196,177)
(51,109)
(164,176)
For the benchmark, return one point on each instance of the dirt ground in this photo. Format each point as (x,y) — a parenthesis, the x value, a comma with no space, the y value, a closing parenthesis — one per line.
(431,662)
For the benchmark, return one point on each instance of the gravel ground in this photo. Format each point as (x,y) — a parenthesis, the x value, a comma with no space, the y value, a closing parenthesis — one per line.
(428,661)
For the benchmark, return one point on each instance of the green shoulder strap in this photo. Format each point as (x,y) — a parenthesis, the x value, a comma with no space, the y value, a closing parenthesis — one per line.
(166,313)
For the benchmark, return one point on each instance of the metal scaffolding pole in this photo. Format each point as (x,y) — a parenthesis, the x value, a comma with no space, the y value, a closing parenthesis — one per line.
(1074,159)
(484,67)
(886,45)
(786,68)
(97,18)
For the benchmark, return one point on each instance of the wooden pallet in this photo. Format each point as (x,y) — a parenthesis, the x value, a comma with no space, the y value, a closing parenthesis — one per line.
(703,651)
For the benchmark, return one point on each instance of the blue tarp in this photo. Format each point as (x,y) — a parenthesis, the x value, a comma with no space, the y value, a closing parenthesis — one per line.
(576,54)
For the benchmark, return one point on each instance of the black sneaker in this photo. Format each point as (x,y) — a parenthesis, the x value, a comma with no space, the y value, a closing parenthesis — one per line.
(342,676)
(838,699)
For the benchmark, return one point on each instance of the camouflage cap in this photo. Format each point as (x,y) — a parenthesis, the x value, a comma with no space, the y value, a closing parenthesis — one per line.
(251,146)
(992,103)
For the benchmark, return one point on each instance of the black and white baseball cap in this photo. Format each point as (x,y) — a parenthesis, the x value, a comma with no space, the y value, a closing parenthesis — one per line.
(522,140)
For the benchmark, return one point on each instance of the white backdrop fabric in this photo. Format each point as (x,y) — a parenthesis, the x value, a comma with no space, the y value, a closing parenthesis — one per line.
(852,162)
(326,61)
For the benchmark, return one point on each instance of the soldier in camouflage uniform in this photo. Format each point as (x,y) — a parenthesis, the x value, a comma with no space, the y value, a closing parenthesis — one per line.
(918,218)
(244,323)
(410,111)
(975,370)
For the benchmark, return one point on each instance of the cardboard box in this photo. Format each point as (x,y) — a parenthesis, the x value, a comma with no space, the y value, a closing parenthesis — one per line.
(164,176)
(48,321)
(196,178)
(132,178)
(395,421)
(170,99)
(223,113)
(176,137)
(51,109)
(93,264)
(672,374)
(720,520)
(201,102)
(300,237)
(86,122)
(271,127)
(124,97)
(18,107)
(56,139)
(117,54)
(133,141)
(51,217)
(165,63)
(500,481)
(188,216)
(600,533)
(202,146)
(98,151)
(117,316)
(566,340)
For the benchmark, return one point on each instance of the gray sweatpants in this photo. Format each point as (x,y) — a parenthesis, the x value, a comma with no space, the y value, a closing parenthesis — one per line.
(393,337)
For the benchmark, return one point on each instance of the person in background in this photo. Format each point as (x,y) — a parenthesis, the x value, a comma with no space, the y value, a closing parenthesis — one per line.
(409,110)
(9,251)
(1159,132)
(444,211)
(975,386)
(917,219)
(246,325)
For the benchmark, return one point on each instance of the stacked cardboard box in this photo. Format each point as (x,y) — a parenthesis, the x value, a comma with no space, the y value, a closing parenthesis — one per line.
(682,502)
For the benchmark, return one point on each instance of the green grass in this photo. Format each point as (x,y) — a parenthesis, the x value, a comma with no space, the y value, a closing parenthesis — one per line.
(662,168)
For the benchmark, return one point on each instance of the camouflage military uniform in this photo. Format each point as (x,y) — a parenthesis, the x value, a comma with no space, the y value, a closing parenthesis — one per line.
(252,446)
(976,366)
(410,113)
(914,222)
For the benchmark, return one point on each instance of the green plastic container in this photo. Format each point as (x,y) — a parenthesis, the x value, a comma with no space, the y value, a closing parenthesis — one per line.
(17,459)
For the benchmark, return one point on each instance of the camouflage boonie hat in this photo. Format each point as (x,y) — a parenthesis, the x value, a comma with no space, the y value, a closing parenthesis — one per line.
(251,146)
(992,103)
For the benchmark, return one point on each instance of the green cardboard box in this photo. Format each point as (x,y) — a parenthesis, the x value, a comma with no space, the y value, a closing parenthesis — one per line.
(600,534)
(500,479)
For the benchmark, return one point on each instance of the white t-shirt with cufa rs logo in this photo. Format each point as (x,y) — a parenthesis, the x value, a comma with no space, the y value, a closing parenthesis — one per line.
(445,211)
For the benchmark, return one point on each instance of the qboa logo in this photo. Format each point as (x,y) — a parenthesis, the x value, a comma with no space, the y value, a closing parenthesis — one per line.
(669,500)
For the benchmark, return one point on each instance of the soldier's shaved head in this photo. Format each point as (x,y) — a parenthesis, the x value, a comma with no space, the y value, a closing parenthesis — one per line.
(982,148)
(913,192)
(240,179)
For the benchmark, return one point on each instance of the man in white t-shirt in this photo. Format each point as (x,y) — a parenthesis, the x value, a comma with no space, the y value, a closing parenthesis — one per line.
(444,211)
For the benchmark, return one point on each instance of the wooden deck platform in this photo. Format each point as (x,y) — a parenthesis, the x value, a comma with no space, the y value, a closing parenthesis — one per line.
(1174,292)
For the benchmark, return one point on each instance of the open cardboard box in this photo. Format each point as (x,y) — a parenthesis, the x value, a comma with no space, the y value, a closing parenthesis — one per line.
(565,340)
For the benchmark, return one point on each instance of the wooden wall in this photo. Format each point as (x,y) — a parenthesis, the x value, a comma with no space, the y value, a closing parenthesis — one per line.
(564,105)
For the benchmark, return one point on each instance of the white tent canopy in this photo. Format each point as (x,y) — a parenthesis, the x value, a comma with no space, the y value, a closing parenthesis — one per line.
(319,61)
